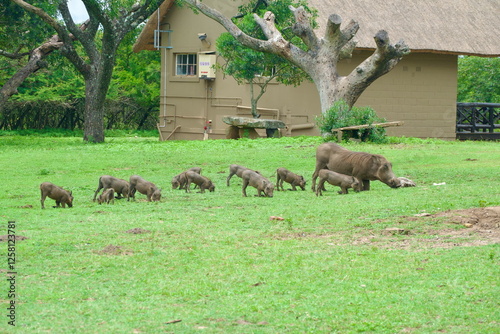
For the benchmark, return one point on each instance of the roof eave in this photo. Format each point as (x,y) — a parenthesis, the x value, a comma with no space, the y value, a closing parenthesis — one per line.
(448,52)
(146,37)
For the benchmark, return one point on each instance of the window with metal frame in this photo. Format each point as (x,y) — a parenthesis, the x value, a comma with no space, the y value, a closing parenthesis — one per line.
(186,64)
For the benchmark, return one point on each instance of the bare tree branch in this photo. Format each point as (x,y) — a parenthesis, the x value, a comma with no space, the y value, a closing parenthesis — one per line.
(230,26)
(15,54)
(383,59)
(63,34)
(341,39)
(275,44)
(34,64)
(320,61)
(303,29)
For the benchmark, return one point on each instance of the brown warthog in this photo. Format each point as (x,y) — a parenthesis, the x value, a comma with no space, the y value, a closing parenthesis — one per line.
(336,179)
(363,166)
(201,181)
(107,196)
(180,180)
(120,186)
(295,180)
(144,187)
(60,195)
(257,181)
(238,170)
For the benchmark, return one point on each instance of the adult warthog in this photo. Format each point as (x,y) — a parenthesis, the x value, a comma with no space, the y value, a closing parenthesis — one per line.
(363,166)
(120,186)
(60,195)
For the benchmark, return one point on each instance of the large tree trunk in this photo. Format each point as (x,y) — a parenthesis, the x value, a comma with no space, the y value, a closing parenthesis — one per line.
(93,128)
(321,58)
(97,81)
(326,80)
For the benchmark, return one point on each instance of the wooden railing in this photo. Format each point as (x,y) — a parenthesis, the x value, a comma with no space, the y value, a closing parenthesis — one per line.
(478,117)
(478,121)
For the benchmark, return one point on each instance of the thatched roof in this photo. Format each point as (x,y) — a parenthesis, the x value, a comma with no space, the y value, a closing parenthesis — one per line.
(438,26)
(145,41)
(470,27)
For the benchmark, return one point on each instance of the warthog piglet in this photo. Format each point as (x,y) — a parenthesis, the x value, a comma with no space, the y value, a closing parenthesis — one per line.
(201,181)
(107,196)
(147,188)
(257,181)
(236,170)
(180,180)
(336,179)
(295,180)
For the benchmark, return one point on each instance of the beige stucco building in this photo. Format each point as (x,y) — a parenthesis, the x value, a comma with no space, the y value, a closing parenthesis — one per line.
(421,90)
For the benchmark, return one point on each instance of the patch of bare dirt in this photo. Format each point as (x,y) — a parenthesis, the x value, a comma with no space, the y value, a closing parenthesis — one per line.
(137,230)
(245,322)
(16,237)
(484,218)
(113,250)
(482,225)
(459,228)
(479,226)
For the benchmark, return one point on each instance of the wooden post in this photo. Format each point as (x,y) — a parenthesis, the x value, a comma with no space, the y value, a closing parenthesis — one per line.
(171,133)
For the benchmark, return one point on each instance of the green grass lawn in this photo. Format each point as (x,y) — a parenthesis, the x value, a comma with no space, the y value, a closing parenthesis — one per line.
(219,264)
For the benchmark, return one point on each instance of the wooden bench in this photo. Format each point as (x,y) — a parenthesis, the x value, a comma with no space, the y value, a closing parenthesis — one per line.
(339,131)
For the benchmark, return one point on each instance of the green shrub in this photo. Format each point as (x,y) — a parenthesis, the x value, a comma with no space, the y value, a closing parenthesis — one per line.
(340,115)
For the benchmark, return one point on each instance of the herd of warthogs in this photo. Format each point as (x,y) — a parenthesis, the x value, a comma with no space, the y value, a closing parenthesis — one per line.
(334,164)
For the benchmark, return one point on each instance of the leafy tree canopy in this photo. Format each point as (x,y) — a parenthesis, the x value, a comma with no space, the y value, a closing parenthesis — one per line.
(136,77)
(21,29)
(20,32)
(478,79)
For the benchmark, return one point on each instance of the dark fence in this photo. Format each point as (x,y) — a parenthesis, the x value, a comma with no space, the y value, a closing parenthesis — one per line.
(478,121)
(122,114)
